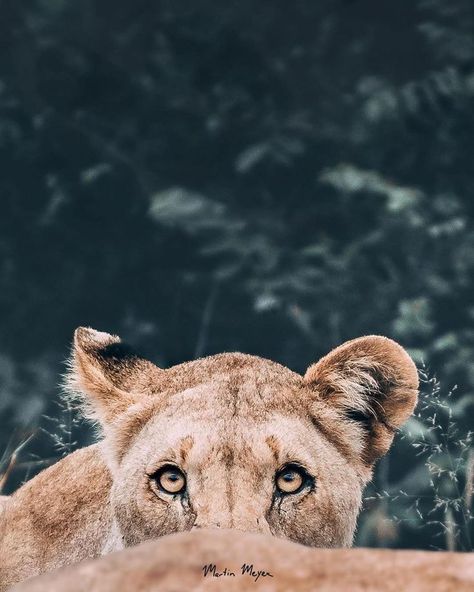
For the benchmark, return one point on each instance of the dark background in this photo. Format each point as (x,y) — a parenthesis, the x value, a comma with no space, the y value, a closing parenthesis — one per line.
(268,177)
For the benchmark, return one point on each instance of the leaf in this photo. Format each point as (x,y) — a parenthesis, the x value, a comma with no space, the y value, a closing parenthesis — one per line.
(185,209)
(251,156)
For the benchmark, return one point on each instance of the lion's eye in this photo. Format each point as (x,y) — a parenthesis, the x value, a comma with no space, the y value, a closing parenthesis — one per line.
(170,479)
(290,479)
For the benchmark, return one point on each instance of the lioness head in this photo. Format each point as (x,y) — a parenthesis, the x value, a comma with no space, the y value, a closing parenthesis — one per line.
(237,441)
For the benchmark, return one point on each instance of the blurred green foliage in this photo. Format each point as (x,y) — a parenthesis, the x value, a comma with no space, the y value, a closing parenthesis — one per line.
(273,178)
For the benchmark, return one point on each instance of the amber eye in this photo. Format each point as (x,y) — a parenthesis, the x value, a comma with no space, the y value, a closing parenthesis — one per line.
(290,479)
(170,479)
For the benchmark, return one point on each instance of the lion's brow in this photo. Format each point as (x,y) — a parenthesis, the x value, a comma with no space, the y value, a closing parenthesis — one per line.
(179,452)
(185,446)
(274,446)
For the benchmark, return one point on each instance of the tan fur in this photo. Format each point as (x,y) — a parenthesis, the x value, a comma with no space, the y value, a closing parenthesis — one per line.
(57,518)
(176,562)
(230,422)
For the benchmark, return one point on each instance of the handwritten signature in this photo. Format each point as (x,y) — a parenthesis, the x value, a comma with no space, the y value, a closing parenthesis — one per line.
(246,569)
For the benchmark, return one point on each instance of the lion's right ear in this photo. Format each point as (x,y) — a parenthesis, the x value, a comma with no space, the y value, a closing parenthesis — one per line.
(107,374)
(371,382)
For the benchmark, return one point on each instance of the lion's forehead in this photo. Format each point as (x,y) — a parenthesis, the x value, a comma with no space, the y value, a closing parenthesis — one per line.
(240,393)
(241,417)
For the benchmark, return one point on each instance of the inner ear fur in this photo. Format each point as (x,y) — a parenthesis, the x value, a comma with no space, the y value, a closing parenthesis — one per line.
(370,381)
(107,374)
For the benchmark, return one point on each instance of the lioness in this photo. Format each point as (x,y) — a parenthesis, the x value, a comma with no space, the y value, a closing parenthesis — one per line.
(232,441)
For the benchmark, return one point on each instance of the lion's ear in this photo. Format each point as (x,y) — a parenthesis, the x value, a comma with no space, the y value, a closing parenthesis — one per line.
(107,374)
(372,382)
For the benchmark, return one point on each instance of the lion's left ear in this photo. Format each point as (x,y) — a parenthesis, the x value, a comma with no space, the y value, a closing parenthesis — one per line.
(108,375)
(371,381)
